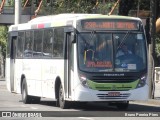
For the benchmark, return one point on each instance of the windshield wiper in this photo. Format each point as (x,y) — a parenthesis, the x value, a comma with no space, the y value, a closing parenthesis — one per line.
(123,40)
(92,34)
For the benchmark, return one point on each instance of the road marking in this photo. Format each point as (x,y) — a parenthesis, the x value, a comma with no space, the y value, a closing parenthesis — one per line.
(34,108)
(85,118)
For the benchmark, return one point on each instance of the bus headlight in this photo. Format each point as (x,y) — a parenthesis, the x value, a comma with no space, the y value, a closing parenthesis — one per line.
(83,80)
(142,81)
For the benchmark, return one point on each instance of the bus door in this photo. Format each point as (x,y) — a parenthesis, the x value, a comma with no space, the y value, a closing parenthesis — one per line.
(12,60)
(68,70)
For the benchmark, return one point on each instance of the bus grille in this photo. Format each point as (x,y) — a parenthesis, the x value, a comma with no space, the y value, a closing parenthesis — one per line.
(106,96)
(114,79)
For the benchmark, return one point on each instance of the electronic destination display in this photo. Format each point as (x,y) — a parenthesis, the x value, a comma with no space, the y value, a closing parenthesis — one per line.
(108,24)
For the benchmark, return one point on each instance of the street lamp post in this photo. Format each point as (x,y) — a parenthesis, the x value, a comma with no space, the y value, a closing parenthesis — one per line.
(152,47)
(17,11)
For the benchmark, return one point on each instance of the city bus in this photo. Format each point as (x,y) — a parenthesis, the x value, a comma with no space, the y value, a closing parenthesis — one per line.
(78,58)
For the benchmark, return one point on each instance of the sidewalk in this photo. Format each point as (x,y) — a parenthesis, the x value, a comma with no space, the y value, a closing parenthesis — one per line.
(2,81)
(157,90)
(155,101)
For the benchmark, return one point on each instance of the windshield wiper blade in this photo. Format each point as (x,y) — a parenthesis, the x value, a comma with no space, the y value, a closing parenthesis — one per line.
(92,34)
(123,40)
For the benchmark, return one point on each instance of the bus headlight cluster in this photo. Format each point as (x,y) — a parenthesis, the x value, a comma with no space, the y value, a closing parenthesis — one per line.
(142,81)
(83,80)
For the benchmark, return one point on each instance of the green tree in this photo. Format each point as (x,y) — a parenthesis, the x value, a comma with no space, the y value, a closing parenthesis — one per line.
(3,39)
(3,44)
(66,6)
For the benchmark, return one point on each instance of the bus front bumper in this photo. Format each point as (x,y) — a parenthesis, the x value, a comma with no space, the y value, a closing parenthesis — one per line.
(85,94)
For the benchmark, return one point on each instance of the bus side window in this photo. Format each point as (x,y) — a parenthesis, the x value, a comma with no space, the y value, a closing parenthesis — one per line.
(58,42)
(28,46)
(21,38)
(37,48)
(47,43)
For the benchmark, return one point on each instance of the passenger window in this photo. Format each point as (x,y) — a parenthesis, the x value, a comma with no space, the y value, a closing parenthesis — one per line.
(58,42)
(21,37)
(37,48)
(47,43)
(28,46)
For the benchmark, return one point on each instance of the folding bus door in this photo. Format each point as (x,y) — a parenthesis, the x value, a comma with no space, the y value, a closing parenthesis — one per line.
(13,47)
(68,68)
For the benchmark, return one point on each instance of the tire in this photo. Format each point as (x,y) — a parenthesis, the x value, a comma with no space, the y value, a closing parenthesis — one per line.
(36,100)
(62,103)
(122,105)
(79,104)
(26,99)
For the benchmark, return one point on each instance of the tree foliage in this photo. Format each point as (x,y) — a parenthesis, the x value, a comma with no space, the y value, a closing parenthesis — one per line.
(67,6)
(158,44)
(3,39)
(50,7)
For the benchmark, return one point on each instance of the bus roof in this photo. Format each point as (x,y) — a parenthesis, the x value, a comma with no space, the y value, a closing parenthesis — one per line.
(77,16)
(62,19)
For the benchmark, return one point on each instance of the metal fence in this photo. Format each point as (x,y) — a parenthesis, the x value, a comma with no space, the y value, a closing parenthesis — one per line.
(157,75)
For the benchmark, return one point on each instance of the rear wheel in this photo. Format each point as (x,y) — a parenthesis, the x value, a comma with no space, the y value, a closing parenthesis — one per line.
(25,97)
(62,103)
(35,99)
(122,105)
(80,104)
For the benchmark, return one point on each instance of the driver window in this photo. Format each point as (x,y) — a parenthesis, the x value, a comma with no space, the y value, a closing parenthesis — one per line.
(103,48)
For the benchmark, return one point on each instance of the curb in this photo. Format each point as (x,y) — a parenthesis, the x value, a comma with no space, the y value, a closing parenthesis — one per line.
(155,101)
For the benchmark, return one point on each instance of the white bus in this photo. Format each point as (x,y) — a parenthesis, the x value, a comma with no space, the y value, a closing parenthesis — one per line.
(78,58)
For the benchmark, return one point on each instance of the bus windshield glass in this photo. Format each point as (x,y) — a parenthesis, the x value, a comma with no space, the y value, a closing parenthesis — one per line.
(112,52)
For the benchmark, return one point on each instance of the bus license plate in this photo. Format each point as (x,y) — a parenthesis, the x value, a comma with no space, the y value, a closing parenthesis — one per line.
(113,93)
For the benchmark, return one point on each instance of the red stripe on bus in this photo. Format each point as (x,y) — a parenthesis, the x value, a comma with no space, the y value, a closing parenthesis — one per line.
(40,25)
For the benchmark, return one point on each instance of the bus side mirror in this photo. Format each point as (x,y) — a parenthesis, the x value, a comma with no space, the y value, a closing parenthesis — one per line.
(73,37)
(70,30)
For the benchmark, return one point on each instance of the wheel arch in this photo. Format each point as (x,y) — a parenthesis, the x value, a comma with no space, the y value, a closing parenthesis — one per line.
(57,85)
(22,78)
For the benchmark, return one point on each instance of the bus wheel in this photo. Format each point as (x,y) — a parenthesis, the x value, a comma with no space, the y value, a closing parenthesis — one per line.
(35,99)
(62,103)
(25,97)
(122,105)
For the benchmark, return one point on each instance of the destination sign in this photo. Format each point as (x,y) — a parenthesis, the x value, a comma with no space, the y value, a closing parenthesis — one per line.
(104,24)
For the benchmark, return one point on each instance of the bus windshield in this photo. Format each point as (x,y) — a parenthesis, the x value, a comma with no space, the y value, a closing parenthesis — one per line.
(112,52)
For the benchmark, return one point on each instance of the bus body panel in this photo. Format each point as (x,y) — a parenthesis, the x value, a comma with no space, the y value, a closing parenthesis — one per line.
(86,94)
(51,69)
(18,68)
(32,72)
(75,80)
(7,72)
(41,76)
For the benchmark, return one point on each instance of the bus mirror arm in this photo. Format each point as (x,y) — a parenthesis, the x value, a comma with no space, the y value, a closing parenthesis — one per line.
(85,52)
(73,37)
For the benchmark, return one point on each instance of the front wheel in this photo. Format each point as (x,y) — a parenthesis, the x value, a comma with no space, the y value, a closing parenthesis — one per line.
(62,103)
(122,105)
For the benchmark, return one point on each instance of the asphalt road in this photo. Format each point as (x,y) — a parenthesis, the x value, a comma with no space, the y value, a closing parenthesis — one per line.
(11,102)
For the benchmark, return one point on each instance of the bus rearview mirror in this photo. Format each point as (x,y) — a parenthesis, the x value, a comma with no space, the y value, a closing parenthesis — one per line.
(73,37)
